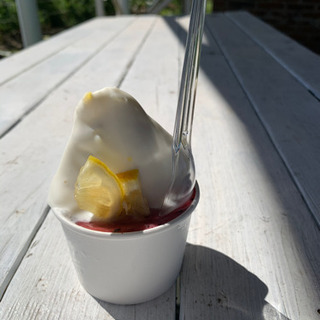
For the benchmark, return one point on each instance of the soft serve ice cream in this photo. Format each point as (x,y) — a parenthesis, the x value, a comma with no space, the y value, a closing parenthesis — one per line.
(113,177)
(111,126)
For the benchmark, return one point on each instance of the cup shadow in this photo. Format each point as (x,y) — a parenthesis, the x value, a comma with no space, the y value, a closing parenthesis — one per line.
(214,286)
(210,286)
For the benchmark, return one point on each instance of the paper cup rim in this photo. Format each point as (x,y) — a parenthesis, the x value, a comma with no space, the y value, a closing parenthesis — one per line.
(127,235)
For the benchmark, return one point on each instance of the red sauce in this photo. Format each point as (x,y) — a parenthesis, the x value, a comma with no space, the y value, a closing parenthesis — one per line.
(130,224)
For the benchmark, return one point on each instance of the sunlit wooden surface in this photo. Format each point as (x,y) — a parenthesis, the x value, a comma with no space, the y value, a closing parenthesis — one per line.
(254,242)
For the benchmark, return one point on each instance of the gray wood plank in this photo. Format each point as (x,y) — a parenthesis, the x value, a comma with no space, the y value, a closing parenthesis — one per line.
(298,60)
(46,272)
(31,56)
(290,114)
(157,70)
(46,287)
(36,83)
(253,245)
(160,96)
(30,153)
(208,255)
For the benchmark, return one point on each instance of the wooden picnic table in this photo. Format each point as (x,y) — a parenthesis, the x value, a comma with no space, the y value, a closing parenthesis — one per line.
(253,248)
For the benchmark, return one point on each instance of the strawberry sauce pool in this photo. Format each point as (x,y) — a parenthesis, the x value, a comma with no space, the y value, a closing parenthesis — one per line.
(131,224)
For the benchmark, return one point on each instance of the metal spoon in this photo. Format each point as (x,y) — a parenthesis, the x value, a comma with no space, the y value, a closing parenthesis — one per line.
(183,169)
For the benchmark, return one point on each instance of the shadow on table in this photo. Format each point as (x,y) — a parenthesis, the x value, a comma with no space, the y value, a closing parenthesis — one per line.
(217,288)
(220,288)
(291,205)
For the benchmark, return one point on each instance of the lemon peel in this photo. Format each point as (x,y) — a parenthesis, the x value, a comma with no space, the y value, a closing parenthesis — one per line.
(87,97)
(107,195)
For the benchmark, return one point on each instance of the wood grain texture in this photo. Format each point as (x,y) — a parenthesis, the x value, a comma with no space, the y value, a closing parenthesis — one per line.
(302,63)
(156,69)
(35,84)
(31,152)
(55,282)
(290,114)
(33,55)
(253,245)
(46,287)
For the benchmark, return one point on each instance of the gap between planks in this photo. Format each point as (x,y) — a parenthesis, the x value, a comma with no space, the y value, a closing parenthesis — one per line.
(309,81)
(22,253)
(282,154)
(63,79)
(94,83)
(71,35)
(135,54)
(37,225)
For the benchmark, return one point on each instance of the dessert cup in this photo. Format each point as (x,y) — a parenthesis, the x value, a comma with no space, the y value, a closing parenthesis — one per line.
(132,267)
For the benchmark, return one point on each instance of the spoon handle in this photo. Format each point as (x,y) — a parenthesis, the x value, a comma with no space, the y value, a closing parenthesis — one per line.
(188,86)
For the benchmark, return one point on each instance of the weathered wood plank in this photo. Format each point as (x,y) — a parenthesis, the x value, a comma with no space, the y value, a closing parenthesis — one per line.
(290,114)
(54,282)
(29,57)
(46,287)
(35,84)
(298,60)
(55,279)
(253,244)
(161,79)
(156,69)
(253,251)
(30,153)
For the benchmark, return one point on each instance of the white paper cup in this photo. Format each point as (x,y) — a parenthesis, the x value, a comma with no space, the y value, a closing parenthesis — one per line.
(129,268)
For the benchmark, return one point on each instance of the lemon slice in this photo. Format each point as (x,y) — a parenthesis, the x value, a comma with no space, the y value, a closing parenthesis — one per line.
(134,202)
(108,195)
(98,190)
